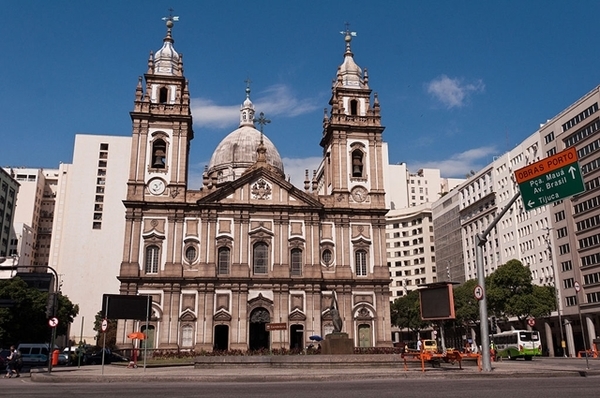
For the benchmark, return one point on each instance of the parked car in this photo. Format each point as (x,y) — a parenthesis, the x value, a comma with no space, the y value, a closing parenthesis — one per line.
(35,354)
(109,357)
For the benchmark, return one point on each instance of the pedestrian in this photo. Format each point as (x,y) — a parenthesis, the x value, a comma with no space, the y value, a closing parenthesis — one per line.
(14,363)
(419,345)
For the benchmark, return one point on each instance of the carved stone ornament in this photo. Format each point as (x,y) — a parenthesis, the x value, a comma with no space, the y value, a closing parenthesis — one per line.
(261,190)
(260,315)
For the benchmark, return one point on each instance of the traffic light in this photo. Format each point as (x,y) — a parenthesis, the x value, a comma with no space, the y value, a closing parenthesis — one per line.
(51,305)
(494,325)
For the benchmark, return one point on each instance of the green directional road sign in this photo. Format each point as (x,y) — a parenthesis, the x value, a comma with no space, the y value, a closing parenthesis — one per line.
(554,178)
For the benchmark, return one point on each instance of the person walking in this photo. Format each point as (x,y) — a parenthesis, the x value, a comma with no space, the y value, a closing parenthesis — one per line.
(14,363)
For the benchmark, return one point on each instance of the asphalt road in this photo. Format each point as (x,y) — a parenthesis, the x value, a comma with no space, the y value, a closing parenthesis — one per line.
(546,387)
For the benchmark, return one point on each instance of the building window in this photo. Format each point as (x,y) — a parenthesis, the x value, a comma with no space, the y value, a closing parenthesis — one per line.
(260,258)
(354,107)
(223,268)
(296,255)
(360,258)
(570,301)
(190,254)
(327,257)
(152,259)
(187,336)
(163,95)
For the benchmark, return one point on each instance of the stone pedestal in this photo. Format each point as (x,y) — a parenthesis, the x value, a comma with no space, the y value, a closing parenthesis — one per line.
(337,344)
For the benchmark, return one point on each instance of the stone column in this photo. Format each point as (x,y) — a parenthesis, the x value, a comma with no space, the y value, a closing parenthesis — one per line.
(549,339)
(590,331)
(570,340)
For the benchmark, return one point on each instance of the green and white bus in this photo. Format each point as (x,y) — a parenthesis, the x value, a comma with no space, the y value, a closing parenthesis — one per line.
(515,344)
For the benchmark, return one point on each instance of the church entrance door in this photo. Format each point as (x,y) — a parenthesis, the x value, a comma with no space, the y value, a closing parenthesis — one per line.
(364,336)
(221,338)
(296,337)
(258,336)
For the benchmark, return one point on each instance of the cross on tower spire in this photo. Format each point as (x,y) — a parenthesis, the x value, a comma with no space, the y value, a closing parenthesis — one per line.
(348,35)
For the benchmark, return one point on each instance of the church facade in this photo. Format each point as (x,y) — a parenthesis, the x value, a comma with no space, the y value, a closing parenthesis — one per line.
(249,252)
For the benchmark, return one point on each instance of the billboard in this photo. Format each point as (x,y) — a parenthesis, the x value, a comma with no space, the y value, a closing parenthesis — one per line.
(437,302)
(118,306)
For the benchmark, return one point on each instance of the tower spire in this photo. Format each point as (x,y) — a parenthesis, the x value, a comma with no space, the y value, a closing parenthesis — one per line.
(247,110)
(167,60)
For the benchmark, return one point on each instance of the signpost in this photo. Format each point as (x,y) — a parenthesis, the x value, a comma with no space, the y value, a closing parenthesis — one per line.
(275,326)
(551,179)
(478,292)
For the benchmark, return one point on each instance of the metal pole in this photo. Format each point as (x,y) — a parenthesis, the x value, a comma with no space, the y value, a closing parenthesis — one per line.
(146,334)
(587,362)
(80,353)
(563,346)
(481,240)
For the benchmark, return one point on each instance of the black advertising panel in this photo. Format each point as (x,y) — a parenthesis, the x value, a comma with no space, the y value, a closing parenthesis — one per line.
(437,302)
(117,306)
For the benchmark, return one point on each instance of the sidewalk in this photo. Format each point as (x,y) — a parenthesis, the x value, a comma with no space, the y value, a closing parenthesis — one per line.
(116,373)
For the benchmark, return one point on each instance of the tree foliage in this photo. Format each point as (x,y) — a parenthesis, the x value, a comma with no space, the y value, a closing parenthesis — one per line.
(466,306)
(25,320)
(510,293)
(406,312)
(111,331)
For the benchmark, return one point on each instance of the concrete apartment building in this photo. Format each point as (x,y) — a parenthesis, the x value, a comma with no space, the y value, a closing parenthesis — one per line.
(448,238)
(575,229)
(89,224)
(409,227)
(33,215)
(559,242)
(9,188)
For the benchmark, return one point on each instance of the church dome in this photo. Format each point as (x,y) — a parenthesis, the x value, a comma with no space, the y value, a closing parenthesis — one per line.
(238,151)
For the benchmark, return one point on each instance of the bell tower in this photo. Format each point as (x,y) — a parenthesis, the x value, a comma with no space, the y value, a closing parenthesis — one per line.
(352,137)
(162,128)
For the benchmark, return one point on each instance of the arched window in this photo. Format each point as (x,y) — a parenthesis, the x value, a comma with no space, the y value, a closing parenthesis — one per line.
(163,95)
(360,258)
(223,257)
(159,154)
(354,107)
(260,258)
(152,259)
(190,254)
(296,262)
(357,163)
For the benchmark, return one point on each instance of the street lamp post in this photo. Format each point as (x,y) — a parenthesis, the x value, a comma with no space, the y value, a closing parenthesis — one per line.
(54,297)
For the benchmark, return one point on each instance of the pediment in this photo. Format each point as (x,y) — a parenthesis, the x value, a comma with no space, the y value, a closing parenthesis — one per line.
(222,316)
(296,315)
(261,187)
(260,301)
(187,316)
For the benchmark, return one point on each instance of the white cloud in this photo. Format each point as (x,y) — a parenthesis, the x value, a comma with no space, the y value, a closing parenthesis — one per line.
(296,168)
(453,92)
(275,100)
(461,164)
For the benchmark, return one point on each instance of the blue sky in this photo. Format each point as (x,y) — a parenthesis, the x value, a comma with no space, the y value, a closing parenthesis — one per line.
(458,81)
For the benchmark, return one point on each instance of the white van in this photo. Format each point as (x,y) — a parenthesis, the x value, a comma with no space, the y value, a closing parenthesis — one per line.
(34,354)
